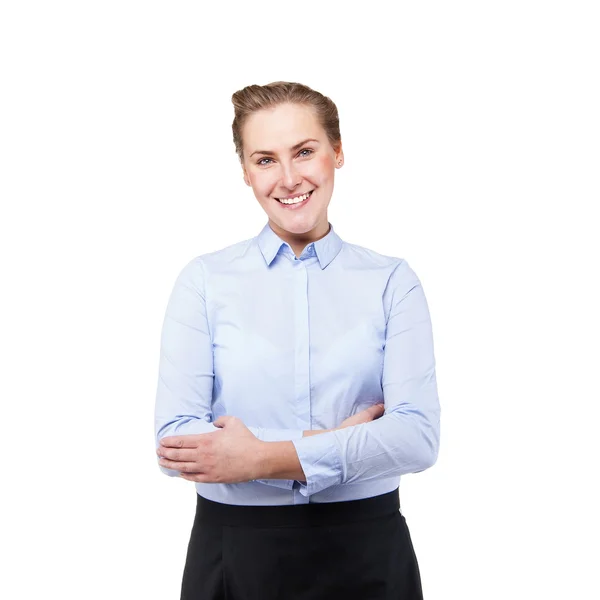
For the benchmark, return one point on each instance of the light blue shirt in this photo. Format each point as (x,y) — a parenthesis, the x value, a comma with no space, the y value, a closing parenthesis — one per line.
(290,344)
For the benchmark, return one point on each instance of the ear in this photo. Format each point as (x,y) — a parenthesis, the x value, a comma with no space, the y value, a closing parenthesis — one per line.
(339,156)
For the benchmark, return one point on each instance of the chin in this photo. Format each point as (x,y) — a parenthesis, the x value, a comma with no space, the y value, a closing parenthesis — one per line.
(300,228)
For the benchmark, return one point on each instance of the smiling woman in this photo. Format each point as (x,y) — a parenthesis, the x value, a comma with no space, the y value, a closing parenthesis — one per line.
(289,145)
(276,409)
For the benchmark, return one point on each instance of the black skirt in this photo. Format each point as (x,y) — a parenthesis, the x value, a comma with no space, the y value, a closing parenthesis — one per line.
(355,550)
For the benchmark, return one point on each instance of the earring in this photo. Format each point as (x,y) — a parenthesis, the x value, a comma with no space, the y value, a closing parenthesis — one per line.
(340,163)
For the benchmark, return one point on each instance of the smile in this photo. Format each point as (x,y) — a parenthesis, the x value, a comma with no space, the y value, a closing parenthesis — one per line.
(295,199)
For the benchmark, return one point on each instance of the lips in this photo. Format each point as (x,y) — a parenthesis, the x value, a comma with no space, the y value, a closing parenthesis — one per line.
(296,196)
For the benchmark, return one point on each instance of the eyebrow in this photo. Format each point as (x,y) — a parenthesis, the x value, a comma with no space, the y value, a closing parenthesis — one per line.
(292,148)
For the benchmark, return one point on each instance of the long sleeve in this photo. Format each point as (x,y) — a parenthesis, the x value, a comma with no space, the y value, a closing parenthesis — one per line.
(406,438)
(186,369)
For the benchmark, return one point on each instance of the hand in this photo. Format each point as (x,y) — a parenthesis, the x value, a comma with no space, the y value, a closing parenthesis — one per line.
(231,455)
(364,416)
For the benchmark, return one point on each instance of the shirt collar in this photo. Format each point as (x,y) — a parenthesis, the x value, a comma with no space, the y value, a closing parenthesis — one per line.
(326,249)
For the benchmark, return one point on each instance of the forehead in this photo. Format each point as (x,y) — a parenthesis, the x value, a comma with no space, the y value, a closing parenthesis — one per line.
(281,127)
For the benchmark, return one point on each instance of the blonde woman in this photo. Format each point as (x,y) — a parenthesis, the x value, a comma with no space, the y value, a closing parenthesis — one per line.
(297,383)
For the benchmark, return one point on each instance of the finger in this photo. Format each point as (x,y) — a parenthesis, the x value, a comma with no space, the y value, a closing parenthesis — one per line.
(223,420)
(185,467)
(180,441)
(178,454)
(178,466)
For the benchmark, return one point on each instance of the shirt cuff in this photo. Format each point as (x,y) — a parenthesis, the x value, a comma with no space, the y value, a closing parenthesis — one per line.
(321,462)
(268,434)
(285,484)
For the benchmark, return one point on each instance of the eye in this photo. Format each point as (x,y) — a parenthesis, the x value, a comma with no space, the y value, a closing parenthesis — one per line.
(262,162)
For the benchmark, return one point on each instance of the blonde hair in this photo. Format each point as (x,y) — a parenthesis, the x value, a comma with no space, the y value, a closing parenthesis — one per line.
(257,97)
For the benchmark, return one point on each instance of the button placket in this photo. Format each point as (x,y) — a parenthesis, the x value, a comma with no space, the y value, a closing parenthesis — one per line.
(301,353)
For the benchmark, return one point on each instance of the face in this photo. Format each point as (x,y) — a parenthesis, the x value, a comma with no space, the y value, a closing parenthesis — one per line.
(286,155)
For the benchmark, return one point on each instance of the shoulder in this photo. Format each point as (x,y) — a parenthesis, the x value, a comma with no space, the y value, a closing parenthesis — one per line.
(214,260)
(198,269)
(393,273)
(372,258)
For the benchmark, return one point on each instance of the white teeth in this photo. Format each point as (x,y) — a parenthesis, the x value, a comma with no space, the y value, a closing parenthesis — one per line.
(294,200)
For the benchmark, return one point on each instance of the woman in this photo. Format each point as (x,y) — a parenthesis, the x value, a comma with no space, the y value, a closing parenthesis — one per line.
(276,355)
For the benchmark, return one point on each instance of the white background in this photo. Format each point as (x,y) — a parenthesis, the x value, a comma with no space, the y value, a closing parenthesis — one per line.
(471,134)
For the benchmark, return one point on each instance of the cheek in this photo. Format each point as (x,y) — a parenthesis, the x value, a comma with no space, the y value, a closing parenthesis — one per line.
(323,169)
(261,183)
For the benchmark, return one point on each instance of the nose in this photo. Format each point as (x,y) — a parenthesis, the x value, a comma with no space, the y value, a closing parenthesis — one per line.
(291,177)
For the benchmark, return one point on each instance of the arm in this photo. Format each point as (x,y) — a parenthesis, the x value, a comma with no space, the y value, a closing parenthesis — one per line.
(281,459)
(185,381)
(406,439)
(310,432)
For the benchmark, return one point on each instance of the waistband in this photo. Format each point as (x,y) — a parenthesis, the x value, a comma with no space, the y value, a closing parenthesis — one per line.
(317,513)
